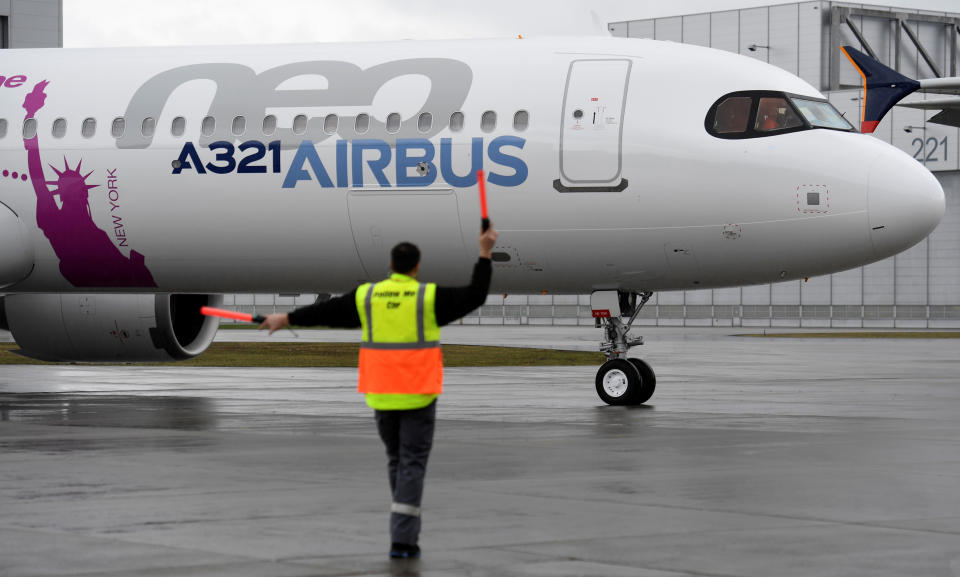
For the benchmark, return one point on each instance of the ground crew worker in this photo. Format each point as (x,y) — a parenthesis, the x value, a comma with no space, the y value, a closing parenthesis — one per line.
(401,368)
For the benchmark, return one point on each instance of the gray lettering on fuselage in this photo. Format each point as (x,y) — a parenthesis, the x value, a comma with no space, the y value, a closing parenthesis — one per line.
(242,92)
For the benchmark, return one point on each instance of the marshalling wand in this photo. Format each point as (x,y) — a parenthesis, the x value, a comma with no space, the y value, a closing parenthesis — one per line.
(233,315)
(484,218)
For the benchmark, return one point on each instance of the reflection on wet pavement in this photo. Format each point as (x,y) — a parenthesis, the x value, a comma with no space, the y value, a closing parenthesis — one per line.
(85,410)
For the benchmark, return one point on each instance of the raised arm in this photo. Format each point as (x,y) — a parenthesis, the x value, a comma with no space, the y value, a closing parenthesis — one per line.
(455,302)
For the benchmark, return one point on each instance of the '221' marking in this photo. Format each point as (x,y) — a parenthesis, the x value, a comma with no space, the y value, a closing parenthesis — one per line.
(225,162)
(929,156)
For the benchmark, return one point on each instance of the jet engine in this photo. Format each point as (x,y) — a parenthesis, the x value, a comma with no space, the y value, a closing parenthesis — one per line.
(109,327)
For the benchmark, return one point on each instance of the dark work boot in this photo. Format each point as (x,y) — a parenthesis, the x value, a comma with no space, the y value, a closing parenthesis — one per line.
(404,551)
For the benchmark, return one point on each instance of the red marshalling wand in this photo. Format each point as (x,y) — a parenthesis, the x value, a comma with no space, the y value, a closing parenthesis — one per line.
(481,185)
(223,313)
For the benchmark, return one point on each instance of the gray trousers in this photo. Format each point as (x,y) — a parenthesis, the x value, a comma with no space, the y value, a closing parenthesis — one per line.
(408,437)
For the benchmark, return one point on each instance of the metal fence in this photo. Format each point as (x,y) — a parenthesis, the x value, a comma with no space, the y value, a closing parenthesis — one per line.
(575,310)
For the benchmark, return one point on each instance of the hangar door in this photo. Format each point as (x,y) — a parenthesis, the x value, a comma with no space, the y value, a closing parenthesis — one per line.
(591,137)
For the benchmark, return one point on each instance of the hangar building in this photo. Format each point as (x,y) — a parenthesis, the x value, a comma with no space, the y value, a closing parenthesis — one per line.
(31,23)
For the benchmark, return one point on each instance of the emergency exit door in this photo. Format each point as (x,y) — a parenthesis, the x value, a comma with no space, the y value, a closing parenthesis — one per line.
(591,137)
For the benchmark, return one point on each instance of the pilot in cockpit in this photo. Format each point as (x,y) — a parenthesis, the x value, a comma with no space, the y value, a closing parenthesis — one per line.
(768,114)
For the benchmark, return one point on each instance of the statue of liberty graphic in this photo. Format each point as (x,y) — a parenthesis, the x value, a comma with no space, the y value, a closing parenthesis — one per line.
(88,258)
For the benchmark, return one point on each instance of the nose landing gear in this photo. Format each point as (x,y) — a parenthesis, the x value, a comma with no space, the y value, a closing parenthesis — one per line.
(621,380)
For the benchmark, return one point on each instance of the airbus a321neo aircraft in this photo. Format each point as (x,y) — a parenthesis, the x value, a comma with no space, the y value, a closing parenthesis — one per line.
(138,185)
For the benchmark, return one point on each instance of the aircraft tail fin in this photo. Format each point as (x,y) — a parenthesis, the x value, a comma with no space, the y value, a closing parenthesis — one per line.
(883,87)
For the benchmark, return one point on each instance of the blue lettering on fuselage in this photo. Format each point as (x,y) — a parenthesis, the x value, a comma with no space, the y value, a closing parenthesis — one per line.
(408,154)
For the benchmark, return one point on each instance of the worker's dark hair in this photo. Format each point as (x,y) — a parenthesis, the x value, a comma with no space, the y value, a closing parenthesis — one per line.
(404,257)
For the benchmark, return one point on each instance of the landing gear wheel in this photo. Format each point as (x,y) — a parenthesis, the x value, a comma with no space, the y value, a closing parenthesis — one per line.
(619,382)
(648,380)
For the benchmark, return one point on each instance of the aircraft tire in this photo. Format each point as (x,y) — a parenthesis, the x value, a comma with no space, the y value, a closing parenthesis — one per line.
(618,382)
(648,380)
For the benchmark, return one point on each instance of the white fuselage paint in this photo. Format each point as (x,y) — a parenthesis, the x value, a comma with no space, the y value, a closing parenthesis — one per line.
(697,211)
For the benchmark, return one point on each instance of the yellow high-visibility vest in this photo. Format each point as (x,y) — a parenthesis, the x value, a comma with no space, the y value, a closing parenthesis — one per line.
(401,364)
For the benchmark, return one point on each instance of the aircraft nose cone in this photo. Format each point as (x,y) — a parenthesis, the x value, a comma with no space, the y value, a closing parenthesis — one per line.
(906,203)
(16,257)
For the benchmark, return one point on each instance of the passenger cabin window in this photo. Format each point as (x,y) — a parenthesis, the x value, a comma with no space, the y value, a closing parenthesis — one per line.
(239,125)
(30,128)
(208,125)
(425,122)
(330,124)
(88,128)
(269,124)
(148,127)
(456,122)
(762,113)
(178,126)
(393,123)
(521,120)
(3,127)
(59,128)
(362,123)
(299,124)
(117,128)
(488,122)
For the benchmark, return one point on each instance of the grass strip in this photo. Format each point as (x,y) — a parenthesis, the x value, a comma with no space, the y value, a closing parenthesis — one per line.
(285,354)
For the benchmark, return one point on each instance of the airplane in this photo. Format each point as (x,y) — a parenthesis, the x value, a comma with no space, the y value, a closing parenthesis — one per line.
(141,184)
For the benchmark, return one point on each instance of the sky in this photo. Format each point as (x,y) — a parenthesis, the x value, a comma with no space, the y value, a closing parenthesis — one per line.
(189,22)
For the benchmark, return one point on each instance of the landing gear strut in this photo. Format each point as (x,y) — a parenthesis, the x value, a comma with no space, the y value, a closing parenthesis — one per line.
(621,380)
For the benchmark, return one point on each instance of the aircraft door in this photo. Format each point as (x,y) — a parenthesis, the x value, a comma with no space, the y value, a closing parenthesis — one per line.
(591,134)
(429,219)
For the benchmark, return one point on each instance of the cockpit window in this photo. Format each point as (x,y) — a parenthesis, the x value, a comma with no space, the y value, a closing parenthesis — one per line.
(775,114)
(732,115)
(759,113)
(821,114)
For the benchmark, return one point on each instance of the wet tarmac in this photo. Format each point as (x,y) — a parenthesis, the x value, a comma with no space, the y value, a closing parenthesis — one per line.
(756,457)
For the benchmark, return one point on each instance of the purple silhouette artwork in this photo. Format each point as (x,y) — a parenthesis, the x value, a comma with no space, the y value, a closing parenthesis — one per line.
(88,258)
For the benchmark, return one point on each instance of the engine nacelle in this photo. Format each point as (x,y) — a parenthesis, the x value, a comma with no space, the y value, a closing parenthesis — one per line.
(109,327)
